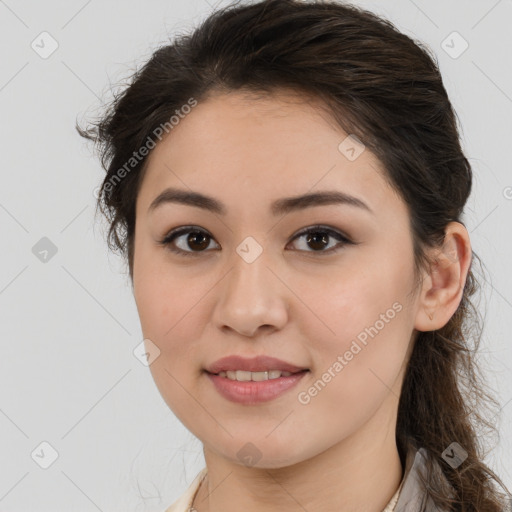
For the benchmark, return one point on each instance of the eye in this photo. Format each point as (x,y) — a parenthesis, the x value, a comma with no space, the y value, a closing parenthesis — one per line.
(196,237)
(317,236)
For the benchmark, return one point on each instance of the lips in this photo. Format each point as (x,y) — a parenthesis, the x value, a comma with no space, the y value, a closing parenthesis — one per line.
(255,364)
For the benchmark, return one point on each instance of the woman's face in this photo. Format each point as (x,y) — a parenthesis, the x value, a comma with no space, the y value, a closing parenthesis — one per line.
(251,283)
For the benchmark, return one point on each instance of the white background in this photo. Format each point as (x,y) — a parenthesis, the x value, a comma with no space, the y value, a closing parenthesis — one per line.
(68,327)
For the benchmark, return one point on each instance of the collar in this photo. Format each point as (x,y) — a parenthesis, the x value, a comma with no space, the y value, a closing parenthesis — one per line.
(413,496)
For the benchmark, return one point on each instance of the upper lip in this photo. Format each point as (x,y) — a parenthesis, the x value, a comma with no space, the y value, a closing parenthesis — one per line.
(254,364)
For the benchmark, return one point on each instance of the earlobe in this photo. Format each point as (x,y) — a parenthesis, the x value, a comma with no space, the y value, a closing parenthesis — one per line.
(443,286)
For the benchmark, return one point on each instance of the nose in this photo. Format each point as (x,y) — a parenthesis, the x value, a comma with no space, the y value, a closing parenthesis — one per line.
(251,297)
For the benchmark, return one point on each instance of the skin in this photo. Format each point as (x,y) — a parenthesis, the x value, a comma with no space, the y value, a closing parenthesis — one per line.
(294,302)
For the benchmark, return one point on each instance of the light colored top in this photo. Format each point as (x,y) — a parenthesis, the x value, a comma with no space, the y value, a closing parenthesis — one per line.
(184,503)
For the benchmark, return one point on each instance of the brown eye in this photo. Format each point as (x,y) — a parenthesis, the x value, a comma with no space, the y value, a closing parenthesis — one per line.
(318,238)
(198,240)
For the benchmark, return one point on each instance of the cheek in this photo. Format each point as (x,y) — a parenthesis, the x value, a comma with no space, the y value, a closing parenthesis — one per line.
(164,307)
(357,370)
(173,314)
(169,319)
(160,292)
(351,301)
(363,335)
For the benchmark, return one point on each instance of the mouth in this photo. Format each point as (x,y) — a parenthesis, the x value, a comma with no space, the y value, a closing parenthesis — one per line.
(261,367)
(251,388)
(246,376)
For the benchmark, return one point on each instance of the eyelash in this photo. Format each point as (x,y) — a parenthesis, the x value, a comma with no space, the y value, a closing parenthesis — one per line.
(170,237)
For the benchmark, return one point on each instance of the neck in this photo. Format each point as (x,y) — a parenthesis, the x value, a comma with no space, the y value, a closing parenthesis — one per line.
(361,473)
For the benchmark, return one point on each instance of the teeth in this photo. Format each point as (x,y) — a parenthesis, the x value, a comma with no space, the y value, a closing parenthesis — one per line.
(242,375)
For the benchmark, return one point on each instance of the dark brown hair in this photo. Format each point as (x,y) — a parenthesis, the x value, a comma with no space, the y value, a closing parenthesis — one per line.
(386,89)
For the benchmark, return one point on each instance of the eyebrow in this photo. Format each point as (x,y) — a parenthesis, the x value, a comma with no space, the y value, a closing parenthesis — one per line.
(278,207)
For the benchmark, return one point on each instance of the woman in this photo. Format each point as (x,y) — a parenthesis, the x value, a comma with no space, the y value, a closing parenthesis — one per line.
(287,186)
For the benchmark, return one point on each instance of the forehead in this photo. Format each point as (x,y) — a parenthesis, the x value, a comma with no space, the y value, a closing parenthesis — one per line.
(243,148)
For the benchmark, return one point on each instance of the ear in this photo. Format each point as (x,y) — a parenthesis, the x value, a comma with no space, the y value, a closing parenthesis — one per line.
(443,285)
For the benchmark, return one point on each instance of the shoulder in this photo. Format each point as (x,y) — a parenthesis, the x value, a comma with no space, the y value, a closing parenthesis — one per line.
(184,502)
(413,496)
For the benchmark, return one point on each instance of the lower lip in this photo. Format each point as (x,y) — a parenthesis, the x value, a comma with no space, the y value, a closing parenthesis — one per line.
(252,392)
